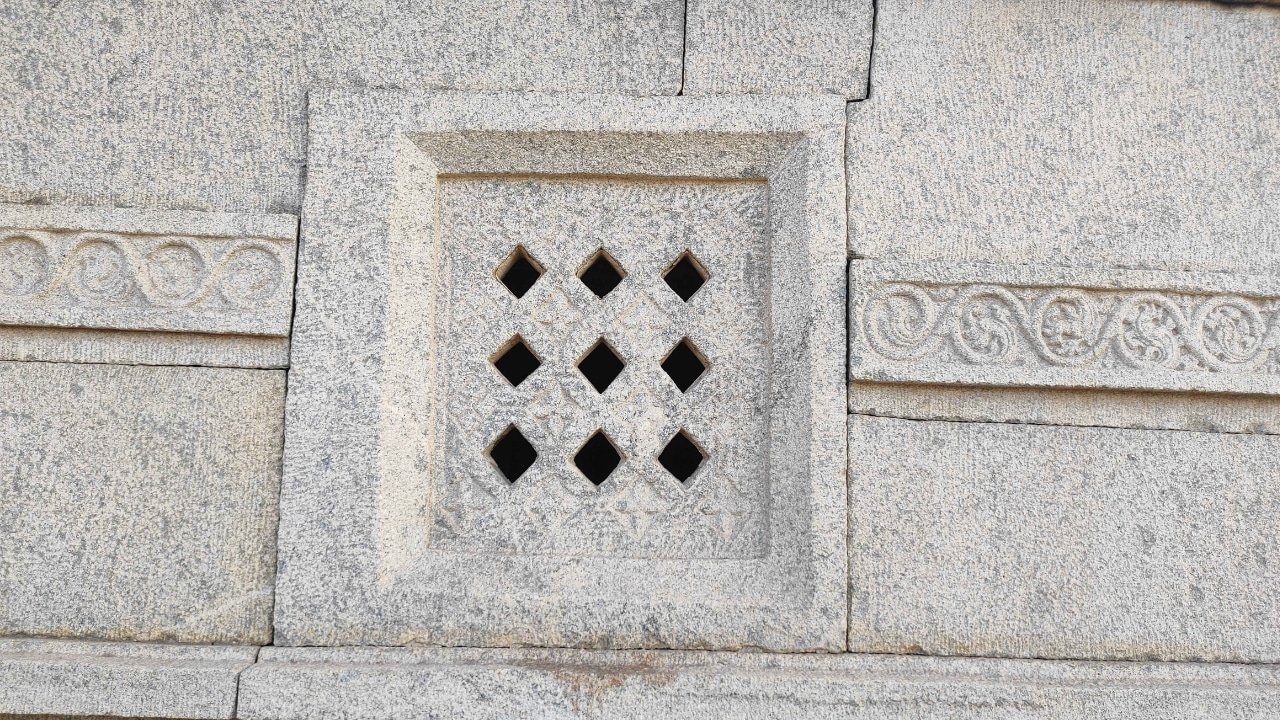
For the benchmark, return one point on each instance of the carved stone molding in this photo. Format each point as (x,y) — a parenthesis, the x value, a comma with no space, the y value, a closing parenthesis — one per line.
(999,325)
(80,284)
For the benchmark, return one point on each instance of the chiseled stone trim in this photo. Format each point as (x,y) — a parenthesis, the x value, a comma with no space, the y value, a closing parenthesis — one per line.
(376,374)
(75,677)
(1043,326)
(393,683)
(146,270)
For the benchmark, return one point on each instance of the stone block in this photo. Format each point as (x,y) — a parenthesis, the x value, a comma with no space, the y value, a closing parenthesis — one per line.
(1008,325)
(1201,412)
(397,683)
(202,106)
(140,502)
(1068,542)
(756,46)
(78,678)
(145,286)
(1137,134)
(567,372)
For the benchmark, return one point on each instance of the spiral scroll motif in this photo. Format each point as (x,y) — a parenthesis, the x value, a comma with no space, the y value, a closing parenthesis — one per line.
(900,321)
(99,272)
(1070,327)
(24,265)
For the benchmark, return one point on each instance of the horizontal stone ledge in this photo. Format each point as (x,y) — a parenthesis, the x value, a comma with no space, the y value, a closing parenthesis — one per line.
(124,269)
(980,324)
(75,677)
(399,683)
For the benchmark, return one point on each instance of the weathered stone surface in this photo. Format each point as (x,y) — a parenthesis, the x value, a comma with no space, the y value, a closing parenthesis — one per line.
(998,325)
(140,502)
(76,678)
(756,46)
(1113,134)
(203,107)
(1022,540)
(377,684)
(224,281)
(1202,412)
(403,522)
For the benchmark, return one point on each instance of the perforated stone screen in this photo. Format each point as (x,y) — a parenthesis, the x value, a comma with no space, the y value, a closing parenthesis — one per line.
(573,385)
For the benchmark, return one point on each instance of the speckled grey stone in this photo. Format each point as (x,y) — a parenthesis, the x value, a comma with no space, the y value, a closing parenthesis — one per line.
(145,286)
(794,48)
(1032,541)
(400,684)
(1114,134)
(140,502)
(1203,412)
(1018,325)
(202,105)
(75,678)
(399,527)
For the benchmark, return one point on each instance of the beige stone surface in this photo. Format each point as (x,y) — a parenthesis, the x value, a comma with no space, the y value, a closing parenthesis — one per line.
(72,678)
(398,525)
(395,683)
(1067,542)
(202,106)
(1112,134)
(1042,325)
(140,502)
(794,48)
(1201,412)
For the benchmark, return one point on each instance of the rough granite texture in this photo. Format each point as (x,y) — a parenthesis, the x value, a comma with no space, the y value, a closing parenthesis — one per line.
(140,502)
(1201,412)
(391,684)
(79,678)
(1011,325)
(93,284)
(395,527)
(795,48)
(1123,134)
(1032,541)
(202,105)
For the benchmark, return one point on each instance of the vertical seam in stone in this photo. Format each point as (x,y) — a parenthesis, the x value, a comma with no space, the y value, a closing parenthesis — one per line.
(684,47)
(871,50)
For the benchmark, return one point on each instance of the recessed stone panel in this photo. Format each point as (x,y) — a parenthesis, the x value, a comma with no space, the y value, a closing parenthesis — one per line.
(596,501)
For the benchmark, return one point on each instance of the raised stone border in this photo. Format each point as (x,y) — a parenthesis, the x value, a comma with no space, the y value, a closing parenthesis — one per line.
(1048,326)
(74,677)
(357,563)
(145,286)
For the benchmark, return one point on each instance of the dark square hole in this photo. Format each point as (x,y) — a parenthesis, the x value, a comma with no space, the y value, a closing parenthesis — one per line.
(598,458)
(684,364)
(517,361)
(686,276)
(512,454)
(681,457)
(601,366)
(602,274)
(519,272)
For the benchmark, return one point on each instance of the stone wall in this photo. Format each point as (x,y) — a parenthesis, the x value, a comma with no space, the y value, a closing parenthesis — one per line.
(647,358)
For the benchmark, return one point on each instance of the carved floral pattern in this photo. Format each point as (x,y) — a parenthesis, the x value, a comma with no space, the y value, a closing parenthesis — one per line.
(1069,327)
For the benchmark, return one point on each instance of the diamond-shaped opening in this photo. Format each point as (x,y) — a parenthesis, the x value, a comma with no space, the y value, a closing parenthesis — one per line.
(601,365)
(516,361)
(686,276)
(519,271)
(598,458)
(512,453)
(681,457)
(685,364)
(601,274)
